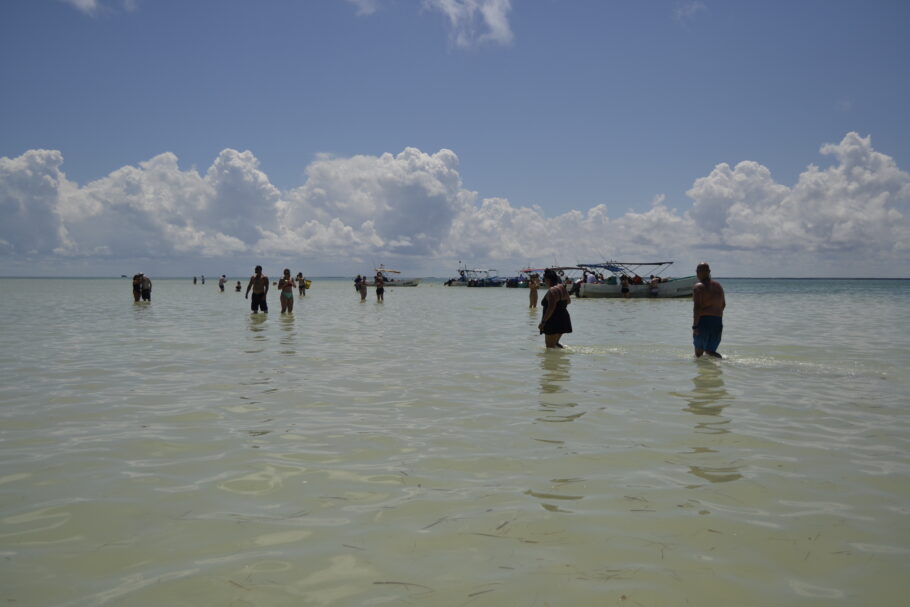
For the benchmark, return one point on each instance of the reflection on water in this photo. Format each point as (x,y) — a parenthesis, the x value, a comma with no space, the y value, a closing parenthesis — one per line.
(555,381)
(554,366)
(717,474)
(288,335)
(257,327)
(709,398)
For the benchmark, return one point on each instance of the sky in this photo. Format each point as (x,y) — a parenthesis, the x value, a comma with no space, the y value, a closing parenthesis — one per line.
(329,136)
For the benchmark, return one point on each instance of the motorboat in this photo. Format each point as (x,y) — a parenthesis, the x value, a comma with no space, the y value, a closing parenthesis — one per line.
(391,278)
(476,277)
(644,279)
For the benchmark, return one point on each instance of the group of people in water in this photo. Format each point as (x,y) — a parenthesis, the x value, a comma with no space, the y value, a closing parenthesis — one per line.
(708,304)
(362,282)
(708,301)
(142,287)
(259,285)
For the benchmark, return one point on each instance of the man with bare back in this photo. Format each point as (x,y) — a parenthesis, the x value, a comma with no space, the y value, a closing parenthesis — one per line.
(707,312)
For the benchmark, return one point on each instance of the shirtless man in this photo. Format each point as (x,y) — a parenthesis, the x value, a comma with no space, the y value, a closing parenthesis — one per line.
(707,312)
(379,281)
(260,286)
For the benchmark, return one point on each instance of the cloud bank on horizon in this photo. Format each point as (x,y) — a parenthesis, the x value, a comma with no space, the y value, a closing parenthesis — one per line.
(413,209)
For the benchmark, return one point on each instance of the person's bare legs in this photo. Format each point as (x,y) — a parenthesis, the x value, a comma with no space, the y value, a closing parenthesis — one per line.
(552,340)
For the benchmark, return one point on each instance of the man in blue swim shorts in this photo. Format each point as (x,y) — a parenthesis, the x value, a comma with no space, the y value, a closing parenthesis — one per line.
(707,312)
(260,286)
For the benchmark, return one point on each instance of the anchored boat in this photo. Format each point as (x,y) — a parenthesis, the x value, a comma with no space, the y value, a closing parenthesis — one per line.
(609,280)
(392,279)
(476,277)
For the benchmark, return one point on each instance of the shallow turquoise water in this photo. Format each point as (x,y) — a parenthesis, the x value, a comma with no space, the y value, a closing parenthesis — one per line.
(429,451)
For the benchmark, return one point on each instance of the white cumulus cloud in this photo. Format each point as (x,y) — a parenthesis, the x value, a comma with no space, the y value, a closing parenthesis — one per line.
(30,202)
(412,209)
(859,204)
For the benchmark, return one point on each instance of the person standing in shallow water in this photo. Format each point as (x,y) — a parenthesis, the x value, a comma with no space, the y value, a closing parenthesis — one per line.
(301,284)
(533,285)
(555,321)
(379,281)
(137,286)
(260,286)
(708,303)
(146,285)
(286,292)
(624,285)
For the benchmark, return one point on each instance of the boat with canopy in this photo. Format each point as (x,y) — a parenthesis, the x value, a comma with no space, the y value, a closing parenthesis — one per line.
(645,280)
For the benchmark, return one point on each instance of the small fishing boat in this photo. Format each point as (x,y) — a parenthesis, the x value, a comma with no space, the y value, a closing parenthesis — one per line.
(391,278)
(609,283)
(517,282)
(476,277)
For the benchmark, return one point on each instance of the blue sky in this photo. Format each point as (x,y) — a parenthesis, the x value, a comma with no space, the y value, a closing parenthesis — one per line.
(338,133)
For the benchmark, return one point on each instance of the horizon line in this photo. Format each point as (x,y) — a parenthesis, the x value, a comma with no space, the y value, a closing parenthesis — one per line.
(345,277)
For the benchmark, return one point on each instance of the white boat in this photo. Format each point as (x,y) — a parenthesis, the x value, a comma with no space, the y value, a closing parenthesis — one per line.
(652,286)
(476,277)
(391,278)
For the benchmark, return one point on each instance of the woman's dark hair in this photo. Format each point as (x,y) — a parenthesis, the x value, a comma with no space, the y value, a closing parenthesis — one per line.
(550,275)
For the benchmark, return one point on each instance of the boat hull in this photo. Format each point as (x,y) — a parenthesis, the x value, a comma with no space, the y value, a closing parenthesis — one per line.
(407,282)
(675,288)
(474,283)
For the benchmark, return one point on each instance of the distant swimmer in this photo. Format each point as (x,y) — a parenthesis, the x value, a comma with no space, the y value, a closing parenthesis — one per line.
(555,320)
(286,292)
(260,286)
(221,282)
(708,303)
(239,287)
(146,286)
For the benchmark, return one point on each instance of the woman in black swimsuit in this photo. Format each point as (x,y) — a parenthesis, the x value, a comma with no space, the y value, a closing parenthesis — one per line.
(555,320)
